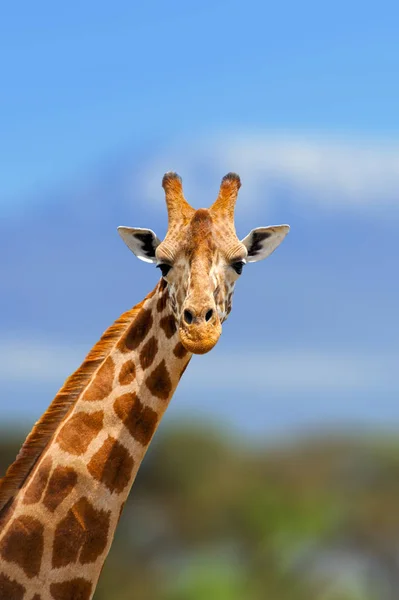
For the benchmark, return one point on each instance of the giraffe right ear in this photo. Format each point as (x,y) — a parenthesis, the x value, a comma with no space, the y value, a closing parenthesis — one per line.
(261,242)
(142,242)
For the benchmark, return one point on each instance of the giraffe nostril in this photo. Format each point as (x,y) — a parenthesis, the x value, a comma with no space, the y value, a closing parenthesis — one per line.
(188,317)
(208,315)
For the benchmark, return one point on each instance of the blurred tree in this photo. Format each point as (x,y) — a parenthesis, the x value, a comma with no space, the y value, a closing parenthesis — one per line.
(315,519)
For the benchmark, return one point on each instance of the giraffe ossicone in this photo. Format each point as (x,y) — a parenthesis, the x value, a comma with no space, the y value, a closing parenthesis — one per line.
(61,499)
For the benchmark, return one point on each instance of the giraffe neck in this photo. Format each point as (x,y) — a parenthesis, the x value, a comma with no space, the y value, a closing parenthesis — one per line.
(56,532)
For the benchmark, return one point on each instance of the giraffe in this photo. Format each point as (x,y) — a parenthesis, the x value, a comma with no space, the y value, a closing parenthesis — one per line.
(61,499)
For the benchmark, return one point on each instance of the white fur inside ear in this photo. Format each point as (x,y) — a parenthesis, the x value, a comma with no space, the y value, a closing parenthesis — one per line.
(261,242)
(142,242)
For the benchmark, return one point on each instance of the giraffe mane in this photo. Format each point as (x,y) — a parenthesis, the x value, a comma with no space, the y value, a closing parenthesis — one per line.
(63,402)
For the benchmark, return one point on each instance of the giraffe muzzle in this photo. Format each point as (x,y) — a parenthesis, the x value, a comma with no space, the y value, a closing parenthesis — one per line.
(199,334)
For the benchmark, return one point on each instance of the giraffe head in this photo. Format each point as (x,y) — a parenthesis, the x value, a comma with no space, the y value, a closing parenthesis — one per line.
(201,258)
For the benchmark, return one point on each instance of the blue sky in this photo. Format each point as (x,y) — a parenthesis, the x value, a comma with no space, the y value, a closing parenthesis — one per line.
(301,99)
(82,80)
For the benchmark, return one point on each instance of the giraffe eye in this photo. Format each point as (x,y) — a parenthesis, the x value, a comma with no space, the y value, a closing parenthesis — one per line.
(164,268)
(237,266)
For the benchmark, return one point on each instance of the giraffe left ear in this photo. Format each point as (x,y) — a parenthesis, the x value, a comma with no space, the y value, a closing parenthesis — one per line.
(261,242)
(142,242)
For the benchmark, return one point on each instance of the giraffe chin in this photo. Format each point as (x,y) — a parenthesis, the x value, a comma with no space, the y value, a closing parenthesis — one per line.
(200,340)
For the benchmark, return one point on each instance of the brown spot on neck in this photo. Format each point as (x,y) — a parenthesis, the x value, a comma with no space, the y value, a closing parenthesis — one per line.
(168,325)
(127,373)
(23,544)
(102,383)
(74,589)
(148,353)
(79,431)
(163,299)
(82,534)
(112,465)
(61,484)
(137,332)
(10,589)
(140,420)
(159,383)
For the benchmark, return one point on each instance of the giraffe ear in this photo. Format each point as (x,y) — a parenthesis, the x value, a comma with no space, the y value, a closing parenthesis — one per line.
(142,242)
(261,242)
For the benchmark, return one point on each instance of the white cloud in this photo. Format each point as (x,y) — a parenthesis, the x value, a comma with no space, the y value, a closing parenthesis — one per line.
(322,170)
(284,371)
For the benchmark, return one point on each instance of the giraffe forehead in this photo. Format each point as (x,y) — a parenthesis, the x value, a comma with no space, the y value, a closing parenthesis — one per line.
(201,224)
(205,229)
(199,239)
(204,238)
